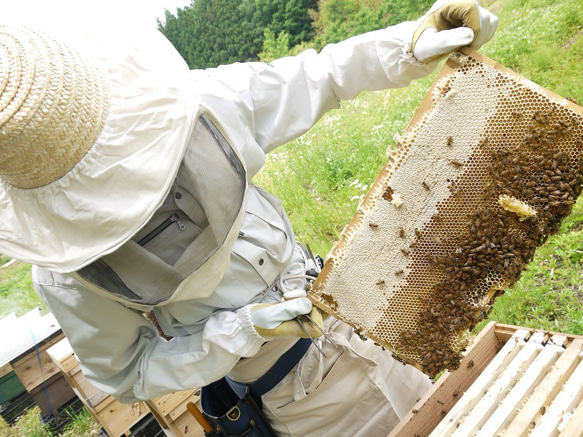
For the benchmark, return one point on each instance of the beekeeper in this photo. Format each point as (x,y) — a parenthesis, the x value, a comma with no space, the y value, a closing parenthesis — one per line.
(126,180)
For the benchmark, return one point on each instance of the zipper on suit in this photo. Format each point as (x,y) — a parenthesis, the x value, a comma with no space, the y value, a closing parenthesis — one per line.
(161,227)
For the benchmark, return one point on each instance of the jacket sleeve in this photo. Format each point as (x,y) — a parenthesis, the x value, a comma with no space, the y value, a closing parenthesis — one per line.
(281,100)
(121,353)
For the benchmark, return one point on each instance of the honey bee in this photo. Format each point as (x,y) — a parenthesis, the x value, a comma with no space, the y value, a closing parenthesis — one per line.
(405,252)
(402,233)
(373,225)
(541,119)
(457,163)
(517,114)
(450,141)
(418,233)
(380,282)
(399,272)
(425,185)
(563,124)
(483,143)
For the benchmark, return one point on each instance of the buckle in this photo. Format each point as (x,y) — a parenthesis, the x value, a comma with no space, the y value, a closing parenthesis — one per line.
(233,414)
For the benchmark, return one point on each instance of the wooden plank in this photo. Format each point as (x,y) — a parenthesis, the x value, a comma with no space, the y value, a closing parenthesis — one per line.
(5,370)
(166,404)
(119,417)
(115,418)
(88,391)
(546,391)
(53,394)
(477,388)
(507,409)
(172,407)
(63,356)
(504,332)
(491,394)
(430,409)
(70,363)
(174,414)
(95,399)
(564,403)
(91,411)
(27,367)
(186,425)
(151,404)
(100,406)
(574,426)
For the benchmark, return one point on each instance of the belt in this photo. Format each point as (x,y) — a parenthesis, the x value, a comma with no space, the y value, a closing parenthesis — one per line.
(275,374)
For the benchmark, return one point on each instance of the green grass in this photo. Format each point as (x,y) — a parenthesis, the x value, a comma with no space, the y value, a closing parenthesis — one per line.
(322,175)
(541,39)
(29,425)
(16,292)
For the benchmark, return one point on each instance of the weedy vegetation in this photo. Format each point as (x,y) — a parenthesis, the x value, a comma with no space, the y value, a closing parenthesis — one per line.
(323,175)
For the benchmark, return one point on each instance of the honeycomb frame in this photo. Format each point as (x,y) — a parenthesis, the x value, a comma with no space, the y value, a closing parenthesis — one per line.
(487,168)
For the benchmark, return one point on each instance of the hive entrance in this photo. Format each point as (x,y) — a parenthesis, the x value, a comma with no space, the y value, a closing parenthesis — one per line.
(485,171)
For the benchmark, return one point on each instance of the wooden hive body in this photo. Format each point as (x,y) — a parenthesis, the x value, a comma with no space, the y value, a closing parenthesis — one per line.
(513,381)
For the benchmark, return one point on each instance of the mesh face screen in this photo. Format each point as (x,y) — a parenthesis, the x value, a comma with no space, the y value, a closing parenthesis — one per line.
(488,167)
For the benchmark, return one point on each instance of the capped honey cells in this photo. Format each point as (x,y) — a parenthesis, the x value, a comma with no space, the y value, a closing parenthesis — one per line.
(487,169)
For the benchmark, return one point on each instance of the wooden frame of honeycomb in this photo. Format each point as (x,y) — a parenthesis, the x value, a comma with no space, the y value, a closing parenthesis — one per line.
(487,168)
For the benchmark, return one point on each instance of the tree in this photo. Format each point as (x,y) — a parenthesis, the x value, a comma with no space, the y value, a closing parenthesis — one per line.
(289,16)
(213,32)
(274,48)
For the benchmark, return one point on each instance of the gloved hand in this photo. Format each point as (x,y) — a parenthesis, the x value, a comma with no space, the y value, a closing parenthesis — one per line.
(278,320)
(449,25)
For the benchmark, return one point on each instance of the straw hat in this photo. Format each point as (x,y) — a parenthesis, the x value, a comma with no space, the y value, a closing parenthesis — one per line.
(52,108)
(89,142)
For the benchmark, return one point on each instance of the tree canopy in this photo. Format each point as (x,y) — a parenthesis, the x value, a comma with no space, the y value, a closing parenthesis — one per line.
(212,32)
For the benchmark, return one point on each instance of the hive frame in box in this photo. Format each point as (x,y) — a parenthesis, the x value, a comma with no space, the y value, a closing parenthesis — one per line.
(485,171)
(433,412)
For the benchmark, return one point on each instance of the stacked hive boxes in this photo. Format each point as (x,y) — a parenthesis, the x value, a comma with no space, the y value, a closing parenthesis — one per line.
(118,419)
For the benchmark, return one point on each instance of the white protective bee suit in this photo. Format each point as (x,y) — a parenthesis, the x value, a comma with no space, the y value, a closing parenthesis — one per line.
(257,107)
(213,242)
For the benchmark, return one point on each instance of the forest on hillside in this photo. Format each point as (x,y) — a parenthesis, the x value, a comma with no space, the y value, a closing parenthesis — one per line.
(212,32)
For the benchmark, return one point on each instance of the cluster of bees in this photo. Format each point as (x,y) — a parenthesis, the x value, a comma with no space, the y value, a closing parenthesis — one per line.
(494,249)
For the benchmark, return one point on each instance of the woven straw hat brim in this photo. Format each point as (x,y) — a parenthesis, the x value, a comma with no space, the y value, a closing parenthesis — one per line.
(118,164)
(53,105)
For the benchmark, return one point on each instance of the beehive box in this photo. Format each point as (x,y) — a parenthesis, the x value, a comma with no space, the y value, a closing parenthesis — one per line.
(119,419)
(23,352)
(172,413)
(486,170)
(512,382)
(115,418)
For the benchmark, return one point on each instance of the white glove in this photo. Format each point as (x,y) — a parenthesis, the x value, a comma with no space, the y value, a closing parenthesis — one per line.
(270,316)
(449,25)
(294,294)
(278,320)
